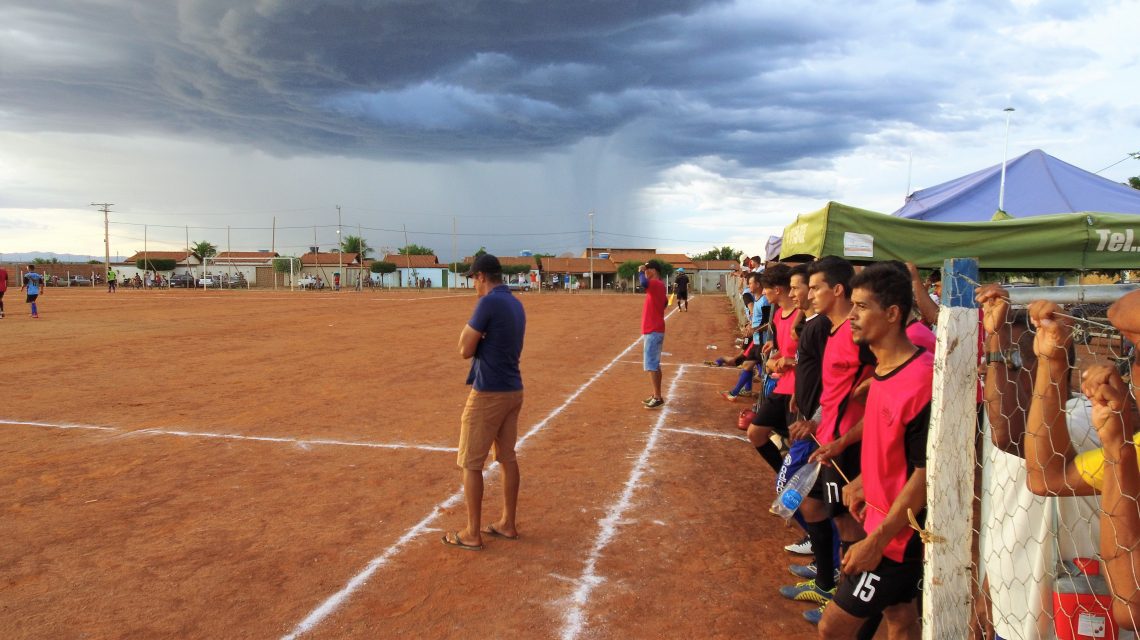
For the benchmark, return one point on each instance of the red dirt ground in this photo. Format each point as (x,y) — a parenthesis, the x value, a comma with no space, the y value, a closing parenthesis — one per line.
(122,533)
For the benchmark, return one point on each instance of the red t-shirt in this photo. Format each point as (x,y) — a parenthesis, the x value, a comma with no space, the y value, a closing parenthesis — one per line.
(894,443)
(653,313)
(845,365)
(786,346)
(3,280)
(920,335)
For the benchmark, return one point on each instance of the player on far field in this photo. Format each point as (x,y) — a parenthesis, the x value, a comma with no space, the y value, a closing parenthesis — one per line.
(881,573)
(32,282)
(681,288)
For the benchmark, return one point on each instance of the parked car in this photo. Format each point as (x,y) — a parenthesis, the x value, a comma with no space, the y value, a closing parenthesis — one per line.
(79,281)
(183,280)
(207,281)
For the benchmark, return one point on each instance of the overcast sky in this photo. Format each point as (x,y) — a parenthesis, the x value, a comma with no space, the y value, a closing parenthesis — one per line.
(682,124)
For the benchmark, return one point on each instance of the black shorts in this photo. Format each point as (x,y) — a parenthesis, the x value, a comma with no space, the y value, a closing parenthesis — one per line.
(32,297)
(829,485)
(683,295)
(772,412)
(871,592)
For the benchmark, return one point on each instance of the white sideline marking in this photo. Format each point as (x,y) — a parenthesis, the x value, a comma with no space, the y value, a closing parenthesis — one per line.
(575,617)
(707,434)
(333,602)
(232,436)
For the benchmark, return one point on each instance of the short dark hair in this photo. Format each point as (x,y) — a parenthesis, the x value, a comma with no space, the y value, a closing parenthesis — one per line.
(889,286)
(31,267)
(800,270)
(656,265)
(936,275)
(835,270)
(777,275)
(758,276)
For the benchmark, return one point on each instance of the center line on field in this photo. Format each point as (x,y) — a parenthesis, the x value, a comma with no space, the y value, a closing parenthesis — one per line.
(333,602)
(575,617)
(232,436)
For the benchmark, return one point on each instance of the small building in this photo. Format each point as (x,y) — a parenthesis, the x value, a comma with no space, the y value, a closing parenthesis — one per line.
(326,266)
(420,271)
(531,278)
(184,262)
(577,270)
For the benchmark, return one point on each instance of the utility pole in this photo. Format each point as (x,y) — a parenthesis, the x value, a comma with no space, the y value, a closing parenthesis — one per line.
(453,256)
(592,249)
(106,208)
(407,254)
(339,250)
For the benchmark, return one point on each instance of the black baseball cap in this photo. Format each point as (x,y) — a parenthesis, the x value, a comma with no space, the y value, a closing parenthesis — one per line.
(485,263)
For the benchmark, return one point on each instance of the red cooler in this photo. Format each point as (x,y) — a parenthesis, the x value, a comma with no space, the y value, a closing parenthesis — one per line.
(1082,606)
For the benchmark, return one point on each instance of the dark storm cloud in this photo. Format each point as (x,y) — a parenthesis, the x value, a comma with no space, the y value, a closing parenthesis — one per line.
(437,79)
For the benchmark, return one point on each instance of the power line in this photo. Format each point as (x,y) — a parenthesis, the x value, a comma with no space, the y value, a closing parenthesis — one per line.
(1135,156)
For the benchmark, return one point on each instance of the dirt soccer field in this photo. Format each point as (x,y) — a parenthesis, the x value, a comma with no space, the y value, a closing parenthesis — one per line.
(190,464)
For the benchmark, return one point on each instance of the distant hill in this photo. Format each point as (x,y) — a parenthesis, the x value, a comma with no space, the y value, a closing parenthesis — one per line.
(48,255)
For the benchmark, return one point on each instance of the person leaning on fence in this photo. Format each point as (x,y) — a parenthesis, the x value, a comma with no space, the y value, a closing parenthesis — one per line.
(882,572)
(3,288)
(846,366)
(773,411)
(1111,471)
(1021,533)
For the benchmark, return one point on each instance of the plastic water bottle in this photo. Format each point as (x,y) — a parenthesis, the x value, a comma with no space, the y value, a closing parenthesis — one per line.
(711,347)
(795,490)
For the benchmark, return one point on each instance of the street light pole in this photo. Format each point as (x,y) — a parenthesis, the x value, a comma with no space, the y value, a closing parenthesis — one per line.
(105,207)
(591,249)
(339,250)
(1004,158)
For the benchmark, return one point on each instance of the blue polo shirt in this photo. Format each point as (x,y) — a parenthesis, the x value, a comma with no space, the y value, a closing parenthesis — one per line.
(499,316)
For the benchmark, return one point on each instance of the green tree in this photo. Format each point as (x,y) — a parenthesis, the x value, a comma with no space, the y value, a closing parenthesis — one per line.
(482,251)
(202,250)
(1134,182)
(156,264)
(281,265)
(515,269)
(356,244)
(628,269)
(383,268)
(415,250)
(718,253)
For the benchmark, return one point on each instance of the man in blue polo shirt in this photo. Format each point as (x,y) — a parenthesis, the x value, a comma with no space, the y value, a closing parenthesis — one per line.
(493,339)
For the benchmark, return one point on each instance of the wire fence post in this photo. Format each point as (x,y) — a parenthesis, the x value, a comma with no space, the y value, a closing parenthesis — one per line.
(950,457)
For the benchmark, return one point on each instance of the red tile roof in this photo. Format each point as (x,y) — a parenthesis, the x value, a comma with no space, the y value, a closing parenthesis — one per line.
(577,265)
(158,255)
(415,262)
(261,255)
(716,265)
(329,259)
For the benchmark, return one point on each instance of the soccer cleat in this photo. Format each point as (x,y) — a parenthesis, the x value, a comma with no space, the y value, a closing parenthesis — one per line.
(806,591)
(801,547)
(647,400)
(654,403)
(805,571)
(814,615)
(744,393)
(728,395)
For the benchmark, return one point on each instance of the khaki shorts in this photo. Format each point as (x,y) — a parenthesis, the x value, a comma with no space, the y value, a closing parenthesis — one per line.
(490,418)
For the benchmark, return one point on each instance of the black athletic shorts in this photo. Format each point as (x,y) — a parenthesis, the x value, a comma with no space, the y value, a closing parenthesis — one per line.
(683,294)
(772,412)
(829,485)
(32,297)
(871,592)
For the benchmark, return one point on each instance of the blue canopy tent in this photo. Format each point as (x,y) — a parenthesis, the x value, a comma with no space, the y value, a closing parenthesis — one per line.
(1036,184)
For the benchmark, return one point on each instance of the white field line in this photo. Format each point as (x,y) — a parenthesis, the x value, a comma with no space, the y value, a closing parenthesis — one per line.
(575,617)
(333,602)
(707,434)
(233,436)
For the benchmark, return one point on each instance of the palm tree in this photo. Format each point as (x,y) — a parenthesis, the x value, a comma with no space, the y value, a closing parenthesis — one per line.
(356,244)
(202,250)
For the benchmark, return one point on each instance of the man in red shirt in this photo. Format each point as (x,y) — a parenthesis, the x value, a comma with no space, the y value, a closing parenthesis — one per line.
(653,326)
(882,572)
(772,413)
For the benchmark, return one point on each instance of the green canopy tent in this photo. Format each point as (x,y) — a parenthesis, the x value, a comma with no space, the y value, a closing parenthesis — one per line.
(1060,242)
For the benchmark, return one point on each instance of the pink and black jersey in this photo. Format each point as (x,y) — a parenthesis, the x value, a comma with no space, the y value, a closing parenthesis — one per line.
(845,365)
(894,443)
(786,346)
